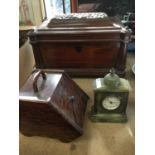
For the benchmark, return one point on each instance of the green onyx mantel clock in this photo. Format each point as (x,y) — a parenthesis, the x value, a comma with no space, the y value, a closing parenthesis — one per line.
(110,99)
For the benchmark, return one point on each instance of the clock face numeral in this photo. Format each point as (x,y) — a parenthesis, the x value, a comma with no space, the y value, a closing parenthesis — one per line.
(111,102)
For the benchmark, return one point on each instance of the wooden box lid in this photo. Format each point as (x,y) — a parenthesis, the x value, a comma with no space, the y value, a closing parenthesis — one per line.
(79,23)
(52,106)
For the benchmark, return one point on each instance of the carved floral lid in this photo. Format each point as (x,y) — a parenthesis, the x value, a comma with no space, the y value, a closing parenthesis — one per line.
(84,20)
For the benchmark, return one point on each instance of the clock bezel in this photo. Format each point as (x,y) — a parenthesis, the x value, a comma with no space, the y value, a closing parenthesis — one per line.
(111,96)
(100,96)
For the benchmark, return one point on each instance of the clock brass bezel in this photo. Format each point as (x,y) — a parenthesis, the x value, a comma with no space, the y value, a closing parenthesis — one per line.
(109,96)
(100,96)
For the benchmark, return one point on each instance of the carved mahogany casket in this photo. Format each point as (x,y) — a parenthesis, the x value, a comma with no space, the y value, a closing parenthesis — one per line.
(52,105)
(86,44)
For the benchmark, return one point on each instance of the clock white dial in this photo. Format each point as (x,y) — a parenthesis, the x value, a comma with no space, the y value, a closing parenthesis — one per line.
(111,102)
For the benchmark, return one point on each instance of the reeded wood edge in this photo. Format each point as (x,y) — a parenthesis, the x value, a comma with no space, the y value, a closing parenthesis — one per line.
(85,73)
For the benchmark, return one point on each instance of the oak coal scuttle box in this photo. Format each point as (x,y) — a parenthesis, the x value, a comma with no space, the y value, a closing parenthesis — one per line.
(81,47)
(52,105)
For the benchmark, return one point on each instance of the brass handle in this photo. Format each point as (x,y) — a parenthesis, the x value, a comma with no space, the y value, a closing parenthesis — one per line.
(35,79)
(71,99)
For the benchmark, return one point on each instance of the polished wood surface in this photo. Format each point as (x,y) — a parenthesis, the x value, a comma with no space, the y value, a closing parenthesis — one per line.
(56,109)
(88,48)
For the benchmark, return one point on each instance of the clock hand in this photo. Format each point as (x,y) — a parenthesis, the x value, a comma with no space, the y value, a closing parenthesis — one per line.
(112,101)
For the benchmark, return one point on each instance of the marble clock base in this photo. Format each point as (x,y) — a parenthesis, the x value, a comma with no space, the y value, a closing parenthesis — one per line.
(107,117)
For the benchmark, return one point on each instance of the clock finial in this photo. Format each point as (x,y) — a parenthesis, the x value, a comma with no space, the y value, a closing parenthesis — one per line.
(112,80)
(112,71)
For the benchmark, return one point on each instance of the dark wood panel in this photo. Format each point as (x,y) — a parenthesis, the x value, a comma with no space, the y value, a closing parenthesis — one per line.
(79,55)
(71,100)
(42,120)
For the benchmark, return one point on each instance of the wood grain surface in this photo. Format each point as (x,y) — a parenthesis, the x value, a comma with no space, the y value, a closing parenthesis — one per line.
(55,109)
(98,45)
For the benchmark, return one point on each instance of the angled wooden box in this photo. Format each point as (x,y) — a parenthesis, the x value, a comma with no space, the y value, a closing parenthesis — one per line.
(81,47)
(52,106)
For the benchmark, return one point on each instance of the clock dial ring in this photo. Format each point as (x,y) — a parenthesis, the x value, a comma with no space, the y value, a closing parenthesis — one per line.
(111,102)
